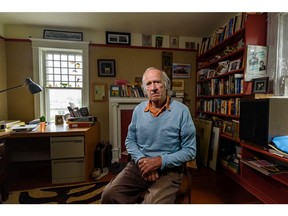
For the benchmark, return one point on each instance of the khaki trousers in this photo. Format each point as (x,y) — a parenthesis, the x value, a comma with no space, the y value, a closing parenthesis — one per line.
(128,187)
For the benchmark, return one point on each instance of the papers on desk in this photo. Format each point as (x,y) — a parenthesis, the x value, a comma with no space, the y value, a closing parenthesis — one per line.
(24,128)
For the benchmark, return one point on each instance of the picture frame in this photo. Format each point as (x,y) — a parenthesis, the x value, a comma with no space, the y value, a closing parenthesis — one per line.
(174,42)
(260,85)
(119,38)
(115,91)
(234,65)
(99,92)
(256,58)
(158,41)
(146,40)
(203,137)
(180,70)
(177,85)
(211,73)
(62,35)
(214,148)
(106,68)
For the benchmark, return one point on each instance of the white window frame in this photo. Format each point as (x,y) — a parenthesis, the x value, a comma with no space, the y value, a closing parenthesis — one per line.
(39,45)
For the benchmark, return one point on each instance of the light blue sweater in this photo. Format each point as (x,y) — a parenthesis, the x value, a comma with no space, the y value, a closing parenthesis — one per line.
(171,135)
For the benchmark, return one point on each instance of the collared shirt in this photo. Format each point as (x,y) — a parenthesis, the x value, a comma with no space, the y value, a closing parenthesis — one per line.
(155,112)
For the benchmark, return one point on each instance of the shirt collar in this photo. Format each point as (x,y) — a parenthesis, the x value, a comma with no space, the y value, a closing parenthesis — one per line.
(156,113)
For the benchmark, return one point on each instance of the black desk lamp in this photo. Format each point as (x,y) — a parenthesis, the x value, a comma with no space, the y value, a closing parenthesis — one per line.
(33,87)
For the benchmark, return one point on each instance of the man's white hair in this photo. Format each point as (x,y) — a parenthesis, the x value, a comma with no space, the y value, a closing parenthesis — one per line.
(164,78)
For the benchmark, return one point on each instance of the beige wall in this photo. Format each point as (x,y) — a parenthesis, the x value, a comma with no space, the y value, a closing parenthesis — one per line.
(130,63)
(3,81)
(19,66)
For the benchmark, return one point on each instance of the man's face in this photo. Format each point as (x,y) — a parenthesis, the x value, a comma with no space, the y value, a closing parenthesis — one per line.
(154,85)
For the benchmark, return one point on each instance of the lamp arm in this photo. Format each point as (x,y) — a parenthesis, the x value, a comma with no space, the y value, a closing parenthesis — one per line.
(12,88)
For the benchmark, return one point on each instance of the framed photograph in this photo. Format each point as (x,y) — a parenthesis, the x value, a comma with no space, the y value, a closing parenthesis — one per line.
(180,70)
(203,136)
(167,61)
(99,92)
(174,42)
(62,35)
(115,91)
(119,38)
(211,73)
(158,41)
(177,85)
(59,119)
(234,65)
(106,68)
(146,40)
(260,85)
(214,148)
(255,62)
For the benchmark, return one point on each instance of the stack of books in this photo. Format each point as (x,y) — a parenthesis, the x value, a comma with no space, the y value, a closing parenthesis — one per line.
(6,125)
(80,122)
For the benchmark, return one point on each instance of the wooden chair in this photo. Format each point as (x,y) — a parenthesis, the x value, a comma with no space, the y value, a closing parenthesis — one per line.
(184,192)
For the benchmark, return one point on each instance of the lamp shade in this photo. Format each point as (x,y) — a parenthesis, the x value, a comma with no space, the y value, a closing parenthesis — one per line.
(33,87)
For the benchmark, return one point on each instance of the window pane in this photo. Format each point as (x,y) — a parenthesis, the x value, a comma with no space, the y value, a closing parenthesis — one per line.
(59,101)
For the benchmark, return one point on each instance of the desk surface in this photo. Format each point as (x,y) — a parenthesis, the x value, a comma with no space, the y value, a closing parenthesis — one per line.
(51,130)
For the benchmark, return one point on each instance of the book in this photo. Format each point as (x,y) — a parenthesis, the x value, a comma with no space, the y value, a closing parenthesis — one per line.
(266,167)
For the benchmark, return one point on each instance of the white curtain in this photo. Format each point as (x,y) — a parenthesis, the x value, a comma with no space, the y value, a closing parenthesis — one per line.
(277,40)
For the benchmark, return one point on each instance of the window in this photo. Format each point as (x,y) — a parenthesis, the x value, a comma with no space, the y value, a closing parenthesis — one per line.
(63,81)
(63,74)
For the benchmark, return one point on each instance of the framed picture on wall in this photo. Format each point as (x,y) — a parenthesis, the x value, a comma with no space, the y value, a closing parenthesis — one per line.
(174,42)
(119,38)
(180,70)
(106,68)
(99,92)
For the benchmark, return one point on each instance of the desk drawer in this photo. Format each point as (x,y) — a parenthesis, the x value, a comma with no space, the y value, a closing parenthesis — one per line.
(65,171)
(66,147)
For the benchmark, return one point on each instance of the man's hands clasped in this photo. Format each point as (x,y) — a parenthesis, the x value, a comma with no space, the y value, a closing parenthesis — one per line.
(148,168)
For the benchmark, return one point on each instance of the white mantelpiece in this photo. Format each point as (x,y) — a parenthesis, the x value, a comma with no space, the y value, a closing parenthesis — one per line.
(117,104)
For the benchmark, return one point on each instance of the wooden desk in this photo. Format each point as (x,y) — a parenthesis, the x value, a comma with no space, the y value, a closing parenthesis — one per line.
(36,146)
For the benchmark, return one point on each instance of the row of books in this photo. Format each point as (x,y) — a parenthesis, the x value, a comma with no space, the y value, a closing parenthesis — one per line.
(231,162)
(128,90)
(222,106)
(233,84)
(231,26)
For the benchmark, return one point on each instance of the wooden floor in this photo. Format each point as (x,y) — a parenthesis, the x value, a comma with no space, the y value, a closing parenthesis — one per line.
(208,187)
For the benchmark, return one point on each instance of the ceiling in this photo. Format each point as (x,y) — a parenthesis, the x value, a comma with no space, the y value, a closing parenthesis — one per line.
(189,24)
